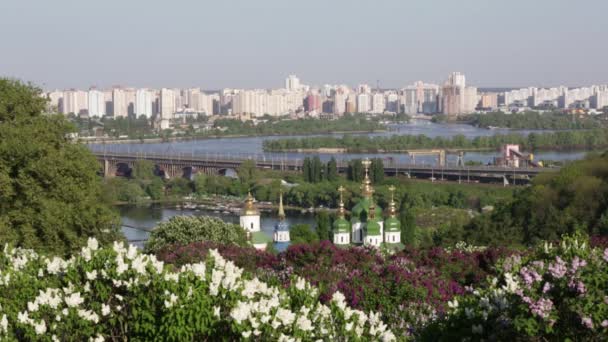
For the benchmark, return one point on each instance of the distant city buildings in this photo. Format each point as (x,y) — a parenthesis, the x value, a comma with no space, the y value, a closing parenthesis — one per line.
(453,98)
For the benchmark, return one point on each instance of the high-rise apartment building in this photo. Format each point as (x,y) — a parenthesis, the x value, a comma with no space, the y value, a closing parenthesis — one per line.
(363,103)
(167,104)
(292,83)
(339,102)
(378,103)
(457,98)
(97,103)
(75,102)
(143,103)
(119,103)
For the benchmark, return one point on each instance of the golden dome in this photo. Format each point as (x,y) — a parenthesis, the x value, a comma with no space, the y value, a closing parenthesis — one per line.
(249,208)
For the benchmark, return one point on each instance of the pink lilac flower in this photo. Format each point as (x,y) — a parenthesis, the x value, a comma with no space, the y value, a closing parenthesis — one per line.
(579,286)
(530,276)
(605,323)
(542,307)
(587,322)
(547,287)
(558,268)
(606,254)
(578,263)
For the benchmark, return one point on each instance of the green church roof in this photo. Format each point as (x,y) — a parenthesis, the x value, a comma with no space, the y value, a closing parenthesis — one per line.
(372,227)
(392,224)
(341,225)
(360,211)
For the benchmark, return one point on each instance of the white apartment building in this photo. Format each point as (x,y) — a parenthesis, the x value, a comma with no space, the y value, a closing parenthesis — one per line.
(378,103)
(143,103)
(167,104)
(259,102)
(75,102)
(97,103)
(119,103)
(292,83)
(363,103)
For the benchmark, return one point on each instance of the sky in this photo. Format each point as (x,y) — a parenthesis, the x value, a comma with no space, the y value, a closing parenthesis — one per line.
(257,43)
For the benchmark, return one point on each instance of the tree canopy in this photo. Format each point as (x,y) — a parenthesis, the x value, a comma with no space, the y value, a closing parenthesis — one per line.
(19,100)
(49,189)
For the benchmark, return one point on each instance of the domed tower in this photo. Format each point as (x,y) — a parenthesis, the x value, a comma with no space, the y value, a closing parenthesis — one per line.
(361,212)
(250,221)
(341,227)
(373,227)
(392,225)
(281,229)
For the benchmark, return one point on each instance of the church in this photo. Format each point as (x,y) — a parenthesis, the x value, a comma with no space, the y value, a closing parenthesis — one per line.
(250,221)
(367,226)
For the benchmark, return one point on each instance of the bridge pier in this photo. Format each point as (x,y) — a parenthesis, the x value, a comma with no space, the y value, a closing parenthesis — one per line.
(109,168)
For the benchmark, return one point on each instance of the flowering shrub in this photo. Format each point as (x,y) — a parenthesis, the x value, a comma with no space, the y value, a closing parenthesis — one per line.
(187,229)
(556,292)
(118,293)
(408,288)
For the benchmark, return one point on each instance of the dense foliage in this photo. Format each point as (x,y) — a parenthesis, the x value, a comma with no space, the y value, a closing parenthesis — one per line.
(19,100)
(346,123)
(49,188)
(533,120)
(555,293)
(409,288)
(574,199)
(118,294)
(187,229)
(583,139)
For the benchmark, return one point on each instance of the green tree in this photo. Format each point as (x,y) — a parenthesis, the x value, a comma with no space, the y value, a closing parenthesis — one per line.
(179,187)
(408,225)
(302,233)
(323,225)
(155,189)
(19,100)
(307,170)
(50,194)
(187,229)
(377,171)
(317,170)
(200,183)
(355,170)
(248,172)
(332,170)
(143,170)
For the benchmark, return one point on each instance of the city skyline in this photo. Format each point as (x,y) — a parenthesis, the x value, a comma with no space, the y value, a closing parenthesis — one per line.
(66,44)
(453,97)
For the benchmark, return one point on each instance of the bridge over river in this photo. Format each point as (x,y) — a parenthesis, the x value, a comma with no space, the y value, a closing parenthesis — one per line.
(183,165)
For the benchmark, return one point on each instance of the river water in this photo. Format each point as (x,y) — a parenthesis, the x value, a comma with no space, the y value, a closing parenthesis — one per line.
(145,218)
(252,146)
(138,221)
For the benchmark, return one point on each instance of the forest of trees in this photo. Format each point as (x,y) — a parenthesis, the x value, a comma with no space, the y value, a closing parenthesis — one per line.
(534,120)
(575,199)
(579,139)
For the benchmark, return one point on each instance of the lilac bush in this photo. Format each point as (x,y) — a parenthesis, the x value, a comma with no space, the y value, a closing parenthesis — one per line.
(557,292)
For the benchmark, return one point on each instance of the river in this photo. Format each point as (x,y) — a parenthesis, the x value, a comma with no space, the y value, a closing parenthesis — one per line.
(138,221)
(145,218)
(246,147)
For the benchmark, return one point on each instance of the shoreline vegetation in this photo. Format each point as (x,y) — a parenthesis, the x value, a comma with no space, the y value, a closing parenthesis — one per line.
(140,130)
(527,120)
(560,140)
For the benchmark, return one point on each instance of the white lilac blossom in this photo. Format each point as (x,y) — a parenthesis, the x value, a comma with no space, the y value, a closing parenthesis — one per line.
(260,310)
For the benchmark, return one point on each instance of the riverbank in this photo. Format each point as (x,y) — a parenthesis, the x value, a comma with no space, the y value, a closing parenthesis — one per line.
(552,141)
(156,140)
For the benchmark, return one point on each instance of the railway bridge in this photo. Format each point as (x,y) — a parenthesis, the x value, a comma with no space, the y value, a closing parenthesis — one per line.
(183,165)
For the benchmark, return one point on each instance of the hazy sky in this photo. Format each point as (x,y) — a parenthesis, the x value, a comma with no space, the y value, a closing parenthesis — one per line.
(257,43)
